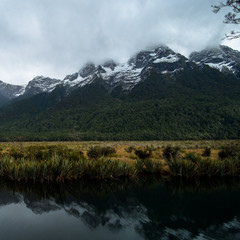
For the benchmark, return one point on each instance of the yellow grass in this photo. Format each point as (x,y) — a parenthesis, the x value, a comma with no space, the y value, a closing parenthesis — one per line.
(120,146)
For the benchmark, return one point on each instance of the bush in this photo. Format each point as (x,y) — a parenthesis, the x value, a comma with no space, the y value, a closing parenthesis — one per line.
(229,151)
(182,167)
(192,157)
(170,153)
(97,152)
(206,152)
(148,166)
(211,168)
(143,153)
(130,149)
(94,153)
(106,151)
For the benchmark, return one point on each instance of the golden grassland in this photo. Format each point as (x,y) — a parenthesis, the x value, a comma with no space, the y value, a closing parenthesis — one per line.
(188,145)
(191,144)
(60,161)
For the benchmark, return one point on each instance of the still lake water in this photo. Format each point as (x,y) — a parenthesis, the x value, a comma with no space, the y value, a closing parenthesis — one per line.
(121,210)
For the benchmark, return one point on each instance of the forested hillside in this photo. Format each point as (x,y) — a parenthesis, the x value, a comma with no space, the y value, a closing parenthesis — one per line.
(198,102)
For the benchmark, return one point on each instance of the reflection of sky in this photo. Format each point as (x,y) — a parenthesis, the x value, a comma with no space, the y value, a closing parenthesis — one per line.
(19,222)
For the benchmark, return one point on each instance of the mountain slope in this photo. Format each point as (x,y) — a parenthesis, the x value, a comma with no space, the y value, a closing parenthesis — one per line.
(194,103)
(159,94)
(10,91)
(3,100)
(24,108)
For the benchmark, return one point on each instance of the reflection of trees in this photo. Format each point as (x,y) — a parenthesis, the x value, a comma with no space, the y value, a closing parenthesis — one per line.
(167,208)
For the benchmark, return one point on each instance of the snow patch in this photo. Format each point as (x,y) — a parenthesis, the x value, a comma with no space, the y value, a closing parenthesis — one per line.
(169,59)
(74,82)
(152,54)
(123,73)
(220,66)
(21,91)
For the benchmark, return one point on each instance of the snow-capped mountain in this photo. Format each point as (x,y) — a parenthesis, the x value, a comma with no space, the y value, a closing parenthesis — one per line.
(223,58)
(11,91)
(41,84)
(128,74)
(37,85)
(161,59)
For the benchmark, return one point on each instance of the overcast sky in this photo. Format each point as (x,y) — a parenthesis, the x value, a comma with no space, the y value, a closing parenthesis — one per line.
(56,37)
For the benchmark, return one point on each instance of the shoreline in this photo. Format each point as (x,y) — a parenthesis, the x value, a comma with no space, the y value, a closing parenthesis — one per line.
(47,162)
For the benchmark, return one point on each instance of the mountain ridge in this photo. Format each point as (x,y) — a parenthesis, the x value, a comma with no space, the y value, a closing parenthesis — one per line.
(156,95)
(128,74)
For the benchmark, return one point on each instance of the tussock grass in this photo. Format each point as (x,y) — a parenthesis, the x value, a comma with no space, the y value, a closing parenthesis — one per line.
(58,169)
(49,162)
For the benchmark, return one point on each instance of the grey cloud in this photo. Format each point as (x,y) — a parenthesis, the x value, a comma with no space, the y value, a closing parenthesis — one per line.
(56,37)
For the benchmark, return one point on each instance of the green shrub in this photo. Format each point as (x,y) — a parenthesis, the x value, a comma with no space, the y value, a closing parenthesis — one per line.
(192,157)
(147,166)
(139,166)
(229,151)
(97,152)
(211,168)
(107,151)
(94,153)
(170,153)
(232,167)
(182,167)
(143,153)
(206,152)
(152,166)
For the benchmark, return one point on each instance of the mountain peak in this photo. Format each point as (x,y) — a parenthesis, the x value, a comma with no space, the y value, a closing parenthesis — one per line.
(158,54)
(41,84)
(110,64)
(87,69)
(159,58)
(10,91)
(220,57)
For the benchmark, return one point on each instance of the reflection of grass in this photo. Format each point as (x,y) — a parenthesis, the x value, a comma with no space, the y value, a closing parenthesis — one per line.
(201,185)
(60,162)
(86,187)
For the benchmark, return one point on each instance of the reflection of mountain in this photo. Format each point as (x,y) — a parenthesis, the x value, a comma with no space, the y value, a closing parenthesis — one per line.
(154,212)
(41,206)
(7,197)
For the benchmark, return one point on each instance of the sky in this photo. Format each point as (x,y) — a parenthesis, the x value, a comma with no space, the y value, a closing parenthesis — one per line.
(57,37)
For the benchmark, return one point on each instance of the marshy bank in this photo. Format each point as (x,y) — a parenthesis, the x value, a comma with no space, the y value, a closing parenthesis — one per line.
(45,162)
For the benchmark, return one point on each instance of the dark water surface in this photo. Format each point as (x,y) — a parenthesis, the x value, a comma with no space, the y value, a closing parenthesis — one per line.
(121,210)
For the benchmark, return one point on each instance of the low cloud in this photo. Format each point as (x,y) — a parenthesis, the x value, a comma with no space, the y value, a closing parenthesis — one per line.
(56,37)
